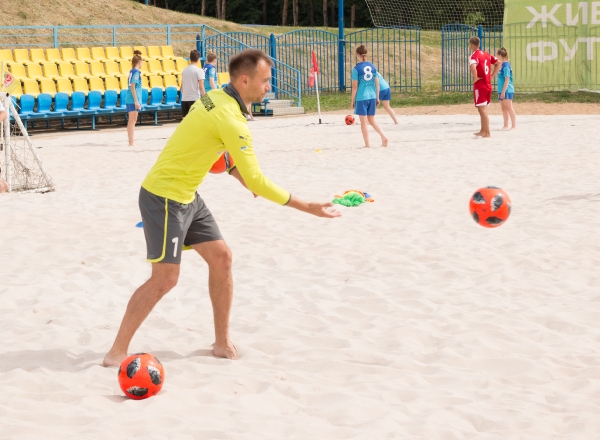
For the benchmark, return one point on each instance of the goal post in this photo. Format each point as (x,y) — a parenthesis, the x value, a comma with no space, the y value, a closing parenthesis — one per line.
(20,165)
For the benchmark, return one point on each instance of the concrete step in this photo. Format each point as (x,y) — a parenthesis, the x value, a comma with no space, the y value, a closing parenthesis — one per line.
(280,103)
(270,95)
(282,111)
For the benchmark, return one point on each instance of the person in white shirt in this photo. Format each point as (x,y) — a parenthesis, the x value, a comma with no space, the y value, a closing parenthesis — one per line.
(192,83)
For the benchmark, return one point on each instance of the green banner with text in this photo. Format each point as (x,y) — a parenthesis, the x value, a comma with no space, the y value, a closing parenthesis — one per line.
(552,45)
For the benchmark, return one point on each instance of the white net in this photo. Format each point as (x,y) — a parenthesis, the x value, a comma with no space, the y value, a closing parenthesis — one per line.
(20,165)
(433,14)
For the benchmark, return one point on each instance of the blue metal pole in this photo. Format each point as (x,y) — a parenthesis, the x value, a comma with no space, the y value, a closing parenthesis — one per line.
(480,35)
(341,47)
(168,35)
(114,36)
(273,54)
(55,34)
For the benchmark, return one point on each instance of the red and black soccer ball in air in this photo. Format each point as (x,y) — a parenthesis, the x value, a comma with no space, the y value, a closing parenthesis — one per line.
(349,120)
(141,375)
(490,207)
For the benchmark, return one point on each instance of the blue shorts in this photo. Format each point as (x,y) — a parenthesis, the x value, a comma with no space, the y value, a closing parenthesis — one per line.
(506,96)
(385,95)
(131,108)
(365,108)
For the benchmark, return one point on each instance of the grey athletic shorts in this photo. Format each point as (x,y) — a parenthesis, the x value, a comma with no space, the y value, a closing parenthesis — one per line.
(171,227)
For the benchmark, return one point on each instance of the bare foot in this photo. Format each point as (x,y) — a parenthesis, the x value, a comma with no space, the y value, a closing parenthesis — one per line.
(132,145)
(504,128)
(478,134)
(113,359)
(366,146)
(225,350)
(486,136)
(513,128)
(384,142)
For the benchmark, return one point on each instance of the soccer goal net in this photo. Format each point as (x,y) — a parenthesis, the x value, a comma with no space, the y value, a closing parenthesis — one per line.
(433,14)
(20,165)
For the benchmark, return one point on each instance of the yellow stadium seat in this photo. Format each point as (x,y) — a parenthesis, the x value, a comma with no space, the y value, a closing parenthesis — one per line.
(112,69)
(82,70)
(64,85)
(18,90)
(22,56)
(155,68)
(123,82)
(53,56)
(141,49)
(83,54)
(18,70)
(144,69)
(66,70)
(51,71)
(98,54)
(180,64)
(37,56)
(34,71)
(97,69)
(125,68)
(170,81)
(222,79)
(167,52)
(97,84)
(80,85)
(30,87)
(154,53)
(112,54)
(126,53)
(156,81)
(68,54)
(145,83)
(48,86)
(7,57)
(168,66)
(112,83)
(179,79)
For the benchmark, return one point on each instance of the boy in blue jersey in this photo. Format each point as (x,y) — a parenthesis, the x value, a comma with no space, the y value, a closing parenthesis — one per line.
(210,72)
(385,96)
(134,94)
(506,89)
(365,95)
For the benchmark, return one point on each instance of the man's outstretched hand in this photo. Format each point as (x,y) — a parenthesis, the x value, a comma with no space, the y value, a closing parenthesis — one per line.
(325,210)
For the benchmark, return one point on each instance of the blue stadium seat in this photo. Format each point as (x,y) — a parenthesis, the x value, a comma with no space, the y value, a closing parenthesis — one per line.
(156,98)
(44,106)
(94,100)
(110,103)
(61,105)
(171,98)
(77,103)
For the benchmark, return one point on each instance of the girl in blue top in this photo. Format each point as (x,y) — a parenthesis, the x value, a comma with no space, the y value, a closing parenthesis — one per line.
(365,95)
(134,94)
(506,89)
(385,96)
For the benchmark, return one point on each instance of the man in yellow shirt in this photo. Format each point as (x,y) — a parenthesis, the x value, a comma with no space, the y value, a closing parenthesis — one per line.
(175,216)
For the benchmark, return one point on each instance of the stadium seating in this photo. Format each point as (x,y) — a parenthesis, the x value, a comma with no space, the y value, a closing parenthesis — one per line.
(98,54)
(51,71)
(18,70)
(112,54)
(222,79)
(34,71)
(154,53)
(65,86)
(97,84)
(90,82)
(83,54)
(53,56)
(37,56)
(48,86)
(31,87)
(68,55)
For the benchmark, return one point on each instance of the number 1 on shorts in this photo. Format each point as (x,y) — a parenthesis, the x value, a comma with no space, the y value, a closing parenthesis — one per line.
(176,241)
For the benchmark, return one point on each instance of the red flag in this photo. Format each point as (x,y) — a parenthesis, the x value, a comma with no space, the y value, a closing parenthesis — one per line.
(311,78)
(314,62)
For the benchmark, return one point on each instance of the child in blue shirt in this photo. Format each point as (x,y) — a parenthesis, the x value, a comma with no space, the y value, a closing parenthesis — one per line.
(506,89)
(134,94)
(210,72)
(365,95)
(385,96)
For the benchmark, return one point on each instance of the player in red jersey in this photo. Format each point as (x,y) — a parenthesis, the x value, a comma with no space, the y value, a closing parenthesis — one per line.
(481,63)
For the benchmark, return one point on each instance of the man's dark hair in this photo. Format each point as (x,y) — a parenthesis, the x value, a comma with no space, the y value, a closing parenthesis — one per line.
(245,63)
(194,56)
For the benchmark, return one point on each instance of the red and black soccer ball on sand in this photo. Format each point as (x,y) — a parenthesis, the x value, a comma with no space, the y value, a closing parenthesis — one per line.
(141,375)
(349,120)
(490,206)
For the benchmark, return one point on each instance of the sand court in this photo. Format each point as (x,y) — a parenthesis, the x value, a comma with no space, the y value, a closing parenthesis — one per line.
(401,319)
